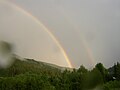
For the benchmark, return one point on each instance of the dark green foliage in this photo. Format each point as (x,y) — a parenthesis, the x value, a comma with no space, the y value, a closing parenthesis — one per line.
(118,71)
(21,67)
(82,70)
(33,75)
(100,67)
(115,71)
(29,74)
(103,71)
(92,79)
(112,85)
(26,82)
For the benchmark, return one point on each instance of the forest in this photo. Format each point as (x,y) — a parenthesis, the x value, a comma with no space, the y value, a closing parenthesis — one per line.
(29,74)
(32,75)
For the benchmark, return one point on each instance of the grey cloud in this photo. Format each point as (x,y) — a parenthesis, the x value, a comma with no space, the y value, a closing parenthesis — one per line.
(96,20)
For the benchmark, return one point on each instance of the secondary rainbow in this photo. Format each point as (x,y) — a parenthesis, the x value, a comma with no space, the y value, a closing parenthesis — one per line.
(82,38)
(43,26)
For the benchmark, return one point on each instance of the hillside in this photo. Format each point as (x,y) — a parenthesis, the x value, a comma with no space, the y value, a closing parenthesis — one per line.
(28,74)
(29,66)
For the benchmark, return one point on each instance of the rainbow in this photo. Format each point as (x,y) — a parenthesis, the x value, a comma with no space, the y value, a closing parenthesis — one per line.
(43,26)
(84,42)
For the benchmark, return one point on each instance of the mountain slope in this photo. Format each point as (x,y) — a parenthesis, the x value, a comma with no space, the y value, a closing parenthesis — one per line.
(29,66)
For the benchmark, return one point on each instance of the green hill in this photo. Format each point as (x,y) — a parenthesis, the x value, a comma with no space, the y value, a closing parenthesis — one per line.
(29,66)
(28,74)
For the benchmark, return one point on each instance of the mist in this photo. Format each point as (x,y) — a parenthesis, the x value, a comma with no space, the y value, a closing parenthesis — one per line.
(71,22)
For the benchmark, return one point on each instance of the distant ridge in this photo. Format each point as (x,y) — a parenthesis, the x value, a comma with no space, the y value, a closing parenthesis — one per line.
(23,65)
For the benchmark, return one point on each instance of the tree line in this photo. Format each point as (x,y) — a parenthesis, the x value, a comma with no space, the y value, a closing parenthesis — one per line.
(16,78)
(33,75)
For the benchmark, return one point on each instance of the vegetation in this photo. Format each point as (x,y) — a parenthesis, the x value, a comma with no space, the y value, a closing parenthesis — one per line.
(32,75)
(29,74)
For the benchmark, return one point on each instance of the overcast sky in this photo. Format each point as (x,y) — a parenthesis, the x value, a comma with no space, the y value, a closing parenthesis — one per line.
(78,25)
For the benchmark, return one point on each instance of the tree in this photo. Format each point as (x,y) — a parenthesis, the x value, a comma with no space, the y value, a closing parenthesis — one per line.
(100,67)
(92,79)
(103,71)
(82,70)
(118,71)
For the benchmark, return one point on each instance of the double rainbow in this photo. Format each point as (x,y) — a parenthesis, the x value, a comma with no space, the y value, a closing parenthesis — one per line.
(90,55)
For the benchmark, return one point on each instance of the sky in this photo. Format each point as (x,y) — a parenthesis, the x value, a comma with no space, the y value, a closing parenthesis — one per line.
(88,30)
